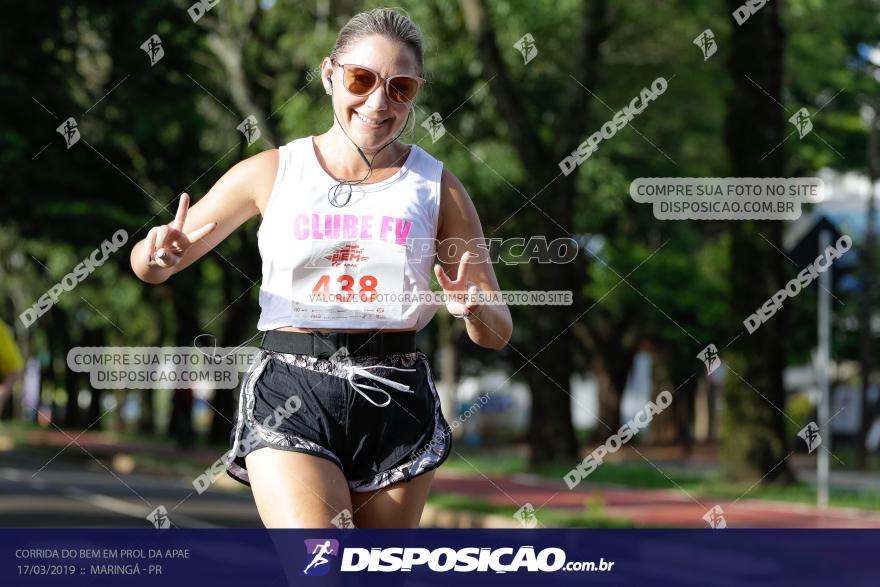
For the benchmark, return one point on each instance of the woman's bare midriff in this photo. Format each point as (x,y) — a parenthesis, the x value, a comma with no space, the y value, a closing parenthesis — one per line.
(294,329)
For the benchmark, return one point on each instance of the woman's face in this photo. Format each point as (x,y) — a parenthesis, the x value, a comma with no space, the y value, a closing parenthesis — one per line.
(373,120)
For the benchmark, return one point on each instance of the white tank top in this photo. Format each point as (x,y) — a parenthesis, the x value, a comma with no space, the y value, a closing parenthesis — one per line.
(380,244)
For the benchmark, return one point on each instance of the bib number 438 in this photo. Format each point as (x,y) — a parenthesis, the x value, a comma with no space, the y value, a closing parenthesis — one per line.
(366,288)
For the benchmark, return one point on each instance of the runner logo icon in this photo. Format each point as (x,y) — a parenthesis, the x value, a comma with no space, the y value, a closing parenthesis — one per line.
(318,552)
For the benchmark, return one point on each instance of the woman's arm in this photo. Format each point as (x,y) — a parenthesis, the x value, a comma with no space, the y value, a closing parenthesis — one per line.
(238,196)
(489,326)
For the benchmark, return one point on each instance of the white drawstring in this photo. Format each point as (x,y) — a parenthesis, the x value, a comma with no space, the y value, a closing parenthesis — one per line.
(353,370)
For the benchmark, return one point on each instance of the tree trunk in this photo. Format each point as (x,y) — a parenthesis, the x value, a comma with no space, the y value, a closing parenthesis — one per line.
(754,441)
(663,429)
(684,387)
(59,344)
(95,338)
(147,421)
(186,330)
(549,357)
(551,430)
(610,398)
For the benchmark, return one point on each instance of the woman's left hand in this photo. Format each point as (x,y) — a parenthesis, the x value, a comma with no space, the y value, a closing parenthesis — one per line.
(461,294)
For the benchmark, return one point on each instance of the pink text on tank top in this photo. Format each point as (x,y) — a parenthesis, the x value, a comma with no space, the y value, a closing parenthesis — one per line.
(349,226)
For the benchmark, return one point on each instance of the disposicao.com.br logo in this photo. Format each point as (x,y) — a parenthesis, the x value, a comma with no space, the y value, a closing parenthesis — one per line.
(468,559)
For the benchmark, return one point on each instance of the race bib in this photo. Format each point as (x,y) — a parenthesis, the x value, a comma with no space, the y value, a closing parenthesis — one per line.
(350,280)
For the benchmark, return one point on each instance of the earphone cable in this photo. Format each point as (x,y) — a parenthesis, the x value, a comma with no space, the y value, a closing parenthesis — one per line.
(333,194)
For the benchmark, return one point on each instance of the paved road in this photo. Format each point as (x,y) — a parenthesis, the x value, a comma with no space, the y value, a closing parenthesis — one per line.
(72,492)
(80,492)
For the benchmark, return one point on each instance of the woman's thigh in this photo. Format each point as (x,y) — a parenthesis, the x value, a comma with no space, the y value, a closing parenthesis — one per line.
(296,490)
(399,505)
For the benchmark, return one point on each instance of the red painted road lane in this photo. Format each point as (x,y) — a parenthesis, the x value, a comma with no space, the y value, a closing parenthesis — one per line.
(649,507)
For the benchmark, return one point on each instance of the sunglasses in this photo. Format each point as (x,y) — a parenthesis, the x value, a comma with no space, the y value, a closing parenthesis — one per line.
(363,81)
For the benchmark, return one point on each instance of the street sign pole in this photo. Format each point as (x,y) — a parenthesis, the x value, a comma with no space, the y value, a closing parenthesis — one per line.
(822,367)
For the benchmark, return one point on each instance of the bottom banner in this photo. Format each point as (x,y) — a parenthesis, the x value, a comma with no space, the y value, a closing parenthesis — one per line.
(96,557)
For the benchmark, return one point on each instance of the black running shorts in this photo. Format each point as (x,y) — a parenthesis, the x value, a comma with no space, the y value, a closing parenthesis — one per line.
(377,418)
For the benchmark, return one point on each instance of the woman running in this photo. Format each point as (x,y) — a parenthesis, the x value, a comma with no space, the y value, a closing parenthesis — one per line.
(352,221)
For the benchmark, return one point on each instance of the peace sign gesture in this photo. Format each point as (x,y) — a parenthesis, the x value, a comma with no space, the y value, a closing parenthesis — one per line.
(460,293)
(167,244)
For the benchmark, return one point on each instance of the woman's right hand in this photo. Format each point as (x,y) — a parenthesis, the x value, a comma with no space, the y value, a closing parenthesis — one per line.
(166,245)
